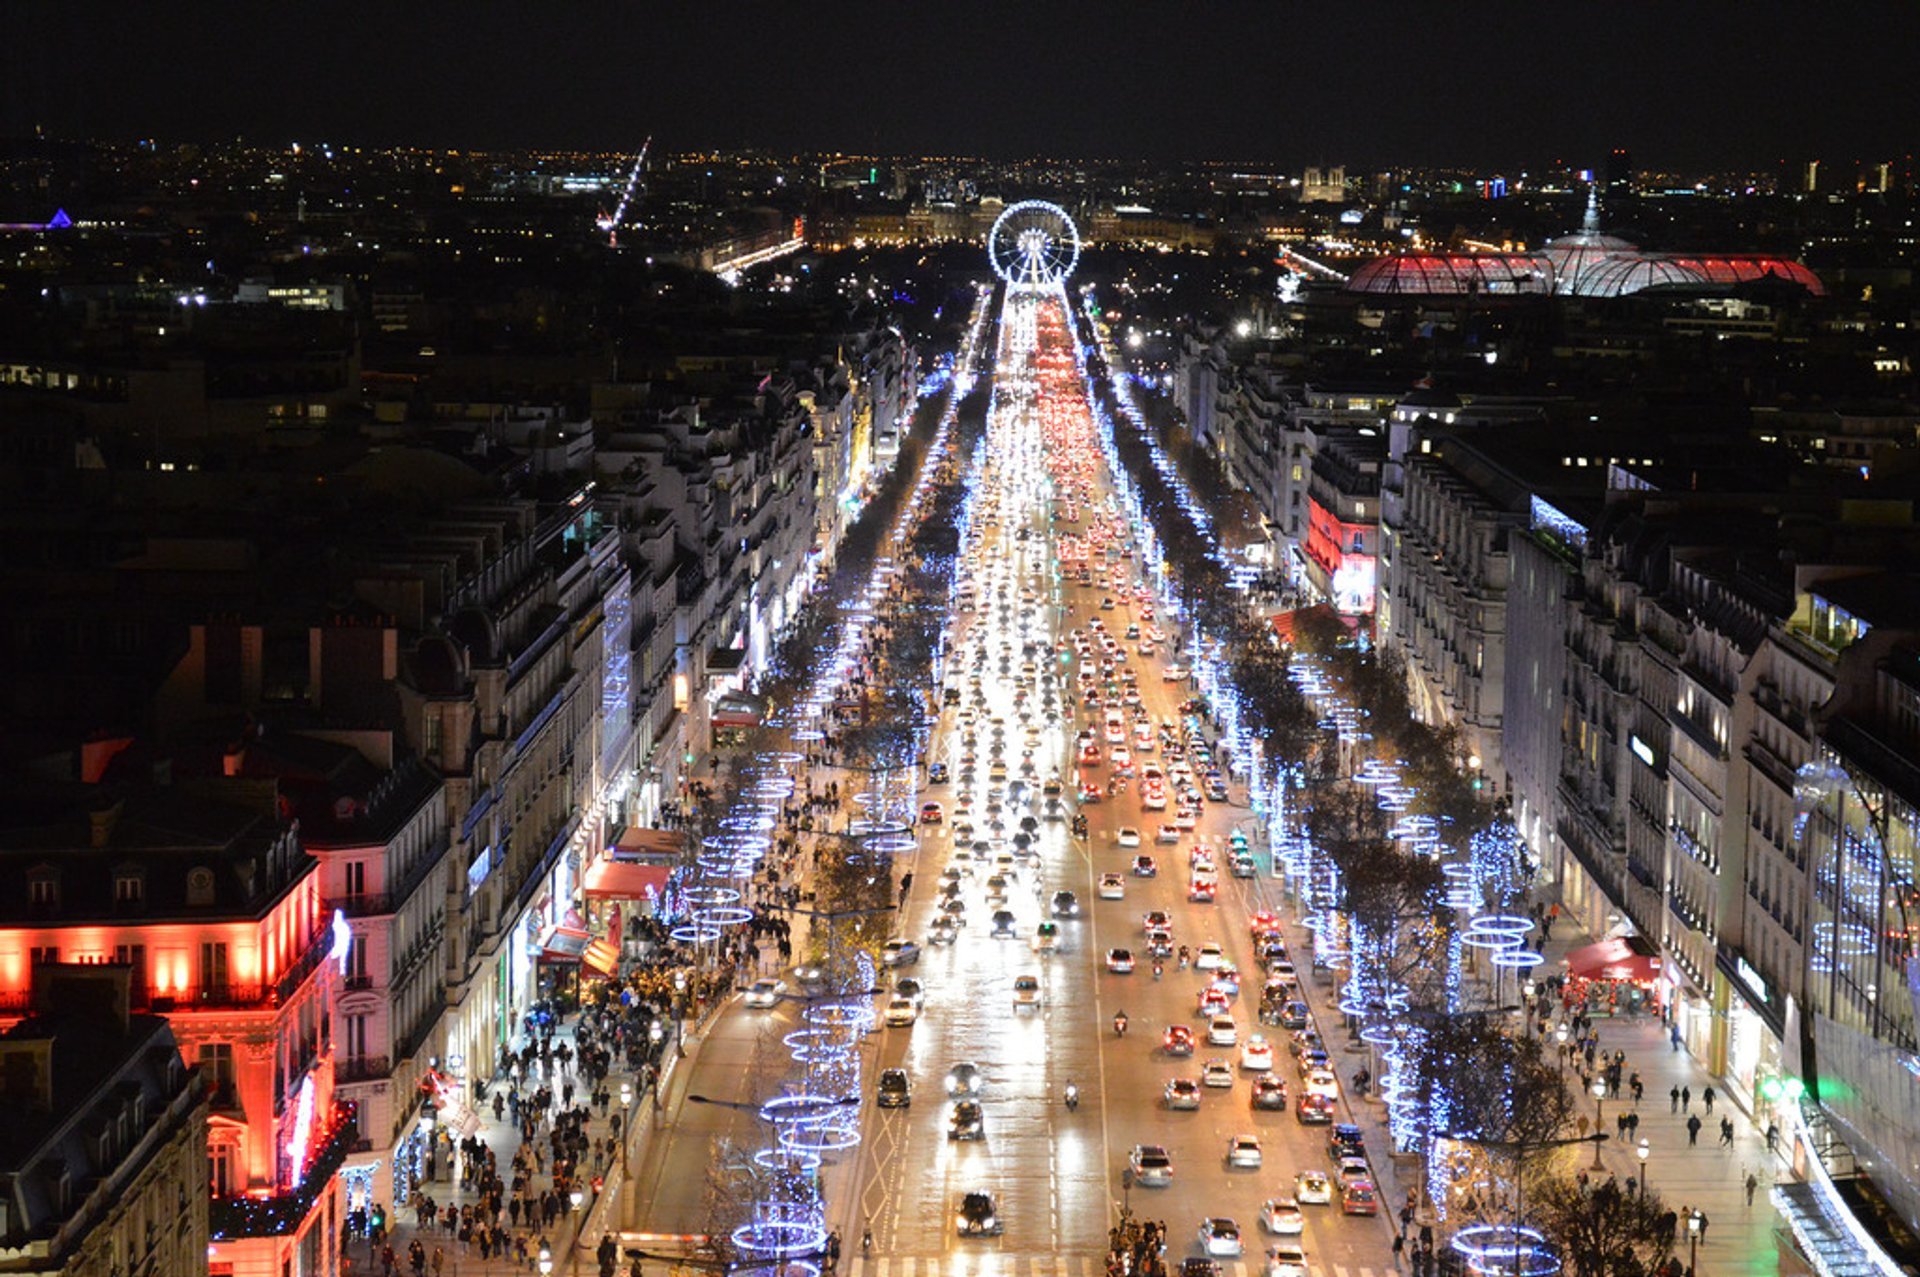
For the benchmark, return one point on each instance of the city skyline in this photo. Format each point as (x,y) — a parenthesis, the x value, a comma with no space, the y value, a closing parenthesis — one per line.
(1715,84)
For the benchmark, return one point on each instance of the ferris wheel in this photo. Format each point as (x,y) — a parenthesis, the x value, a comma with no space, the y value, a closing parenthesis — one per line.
(1033,245)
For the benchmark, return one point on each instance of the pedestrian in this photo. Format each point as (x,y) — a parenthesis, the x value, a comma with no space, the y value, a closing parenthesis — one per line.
(1753,1184)
(1707,1096)
(1702,1217)
(1686,1098)
(1675,1035)
(1773,1137)
(1726,1132)
(1400,1246)
(1673,1100)
(1693,1130)
(1638,1087)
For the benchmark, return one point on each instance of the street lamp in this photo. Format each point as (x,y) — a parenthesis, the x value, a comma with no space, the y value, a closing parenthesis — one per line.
(1599,1099)
(1643,1153)
(1693,1239)
(576,1197)
(626,1123)
(546,1260)
(1562,1034)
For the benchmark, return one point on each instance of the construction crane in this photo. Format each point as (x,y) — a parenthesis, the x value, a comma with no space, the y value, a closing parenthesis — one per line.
(611,225)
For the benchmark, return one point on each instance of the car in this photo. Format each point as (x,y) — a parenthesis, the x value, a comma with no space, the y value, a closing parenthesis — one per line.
(1321,1082)
(1346,1140)
(1244,1151)
(1213,1002)
(902,1012)
(978,1215)
(1066,905)
(1200,888)
(895,1090)
(1002,923)
(1359,1199)
(1293,1015)
(1286,1261)
(1152,1165)
(1281,1216)
(1220,1237)
(1113,887)
(1166,834)
(1312,1188)
(1120,961)
(936,773)
(1173,673)
(1269,1092)
(1242,865)
(1222,1031)
(1314,1110)
(931,813)
(1127,836)
(1160,942)
(1256,1055)
(965,1078)
(1182,1093)
(1199,1266)
(966,1121)
(944,931)
(1154,918)
(1026,993)
(1353,1169)
(1208,956)
(899,953)
(763,993)
(1144,867)
(1177,1040)
(810,975)
(1216,1073)
(1046,937)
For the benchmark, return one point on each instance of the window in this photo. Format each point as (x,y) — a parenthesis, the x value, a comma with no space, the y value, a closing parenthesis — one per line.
(356,878)
(355,1038)
(134,956)
(213,966)
(216,1069)
(200,886)
(430,733)
(43,891)
(129,888)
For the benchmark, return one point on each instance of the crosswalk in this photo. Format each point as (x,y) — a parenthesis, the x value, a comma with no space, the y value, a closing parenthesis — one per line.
(988,1263)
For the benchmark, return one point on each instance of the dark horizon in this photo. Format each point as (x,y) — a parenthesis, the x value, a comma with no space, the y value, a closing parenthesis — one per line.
(1715,86)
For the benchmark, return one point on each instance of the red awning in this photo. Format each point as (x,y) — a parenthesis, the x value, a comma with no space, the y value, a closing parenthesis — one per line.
(611,879)
(563,944)
(601,958)
(1622,958)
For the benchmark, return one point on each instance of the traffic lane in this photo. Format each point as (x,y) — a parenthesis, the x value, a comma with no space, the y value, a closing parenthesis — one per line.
(734,1066)
(1288,1147)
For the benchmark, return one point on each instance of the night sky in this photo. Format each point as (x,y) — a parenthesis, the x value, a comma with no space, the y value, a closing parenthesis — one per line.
(1683,83)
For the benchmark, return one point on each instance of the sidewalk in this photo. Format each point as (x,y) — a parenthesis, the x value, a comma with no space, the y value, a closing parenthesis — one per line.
(1706,1177)
(360,1257)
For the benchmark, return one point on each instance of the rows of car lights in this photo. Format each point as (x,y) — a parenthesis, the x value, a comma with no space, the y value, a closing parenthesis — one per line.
(1484,878)
(811,1119)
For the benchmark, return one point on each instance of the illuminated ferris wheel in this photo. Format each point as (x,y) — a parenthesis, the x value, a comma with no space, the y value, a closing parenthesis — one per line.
(1033,245)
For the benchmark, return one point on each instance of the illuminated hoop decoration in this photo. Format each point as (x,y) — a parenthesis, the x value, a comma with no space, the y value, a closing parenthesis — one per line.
(1491,1249)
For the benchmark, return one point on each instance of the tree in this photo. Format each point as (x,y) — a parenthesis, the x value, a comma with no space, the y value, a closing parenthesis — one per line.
(1604,1230)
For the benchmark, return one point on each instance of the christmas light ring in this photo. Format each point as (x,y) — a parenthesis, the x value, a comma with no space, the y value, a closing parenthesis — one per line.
(694,933)
(723,916)
(778,1266)
(1509,1249)
(808,735)
(709,894)
(1380,1034)
(750,844)
(1493,940)
(772,788)
(1524,959)
(773,1235)
(803,1109)
(807,1044)
(1512,923)
(823,1137)
(891,844)
(747,824)
(857,1015)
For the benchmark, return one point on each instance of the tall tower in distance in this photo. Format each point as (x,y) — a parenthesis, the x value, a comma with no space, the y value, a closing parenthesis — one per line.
(1619,172)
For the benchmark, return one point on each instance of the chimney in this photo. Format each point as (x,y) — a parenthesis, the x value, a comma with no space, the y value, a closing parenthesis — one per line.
(101,822)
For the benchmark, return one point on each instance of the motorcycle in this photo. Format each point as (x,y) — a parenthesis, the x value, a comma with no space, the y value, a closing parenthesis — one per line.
(1073,1097)
(1120,1025)
(1158,968)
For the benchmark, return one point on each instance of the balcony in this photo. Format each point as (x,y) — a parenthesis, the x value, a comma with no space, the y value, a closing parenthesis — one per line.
(362,1068)
(370,905)
(304,966)
(232,1218)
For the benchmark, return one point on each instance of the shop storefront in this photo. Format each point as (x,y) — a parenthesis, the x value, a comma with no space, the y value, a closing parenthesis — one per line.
(1617,977)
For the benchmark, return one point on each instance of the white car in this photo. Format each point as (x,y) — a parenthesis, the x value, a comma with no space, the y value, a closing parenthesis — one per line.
(1286,1261)
(1282,1217)
(1244,1151)
(1312,1188)
(902,1012)
(1220,1237)
(1026,993)
(1257,1055)
(1222,1031)
(1208,956)
(1216,1073)
(1166,834)
(1113,887)
(1322,1082)
(1128,836)
(764,993)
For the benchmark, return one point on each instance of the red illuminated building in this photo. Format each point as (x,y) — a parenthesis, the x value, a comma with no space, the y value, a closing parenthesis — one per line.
(202,890)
